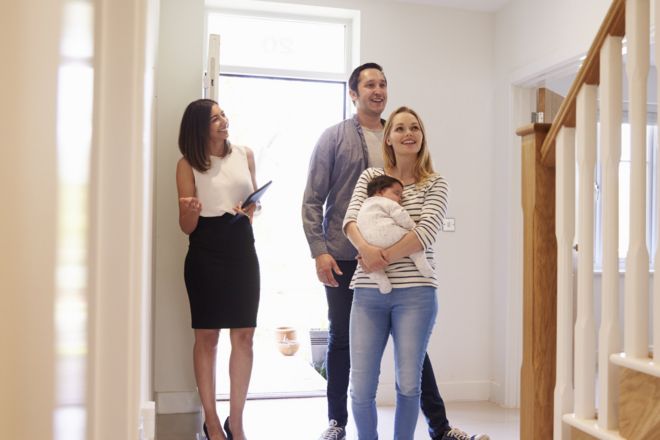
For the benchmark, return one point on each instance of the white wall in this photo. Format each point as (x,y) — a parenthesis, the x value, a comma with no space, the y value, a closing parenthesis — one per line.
(531,36)
(177,83)
(438,61)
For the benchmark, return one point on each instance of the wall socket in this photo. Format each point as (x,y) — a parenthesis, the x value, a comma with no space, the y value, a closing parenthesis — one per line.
(449,224)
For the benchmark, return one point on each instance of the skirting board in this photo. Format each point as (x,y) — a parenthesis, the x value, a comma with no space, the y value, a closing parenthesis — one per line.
(496,393)
(177,402)
(472,391)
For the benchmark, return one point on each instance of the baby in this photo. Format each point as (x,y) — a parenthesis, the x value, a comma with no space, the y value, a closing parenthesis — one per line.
(382,221)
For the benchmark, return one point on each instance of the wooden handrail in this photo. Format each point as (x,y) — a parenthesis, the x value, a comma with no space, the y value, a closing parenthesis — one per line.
(613,24)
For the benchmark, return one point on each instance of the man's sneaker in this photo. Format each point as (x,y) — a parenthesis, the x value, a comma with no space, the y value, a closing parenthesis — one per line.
(334,432)
(457,434)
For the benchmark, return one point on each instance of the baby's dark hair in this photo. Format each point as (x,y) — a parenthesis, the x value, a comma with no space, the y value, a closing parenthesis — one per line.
(379,183)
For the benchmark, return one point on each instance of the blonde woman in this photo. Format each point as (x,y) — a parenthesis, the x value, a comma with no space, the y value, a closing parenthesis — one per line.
(408,312)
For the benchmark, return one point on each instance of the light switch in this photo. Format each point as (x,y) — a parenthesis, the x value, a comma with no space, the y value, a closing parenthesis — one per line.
(448,224)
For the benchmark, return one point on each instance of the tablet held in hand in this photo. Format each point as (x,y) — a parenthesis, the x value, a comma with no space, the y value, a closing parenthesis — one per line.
(255,196)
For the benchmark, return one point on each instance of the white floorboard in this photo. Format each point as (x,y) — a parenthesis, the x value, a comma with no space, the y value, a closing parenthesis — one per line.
(305,418)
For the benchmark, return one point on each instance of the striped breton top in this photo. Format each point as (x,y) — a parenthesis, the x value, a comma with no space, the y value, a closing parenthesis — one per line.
(427,205)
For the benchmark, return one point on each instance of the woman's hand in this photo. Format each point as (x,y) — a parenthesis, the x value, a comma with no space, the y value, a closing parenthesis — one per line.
(248,211)
(189,205)
(371,258)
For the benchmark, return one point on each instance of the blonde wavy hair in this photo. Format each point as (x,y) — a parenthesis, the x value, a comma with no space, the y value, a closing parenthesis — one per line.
(423,168)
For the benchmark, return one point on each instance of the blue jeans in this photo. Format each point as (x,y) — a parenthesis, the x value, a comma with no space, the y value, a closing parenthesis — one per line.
(408,314)
(340,300)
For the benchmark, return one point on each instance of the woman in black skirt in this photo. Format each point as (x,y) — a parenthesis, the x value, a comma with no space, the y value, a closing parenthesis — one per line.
(221,268)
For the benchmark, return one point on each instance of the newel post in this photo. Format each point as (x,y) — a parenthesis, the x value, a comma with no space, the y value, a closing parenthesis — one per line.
(539,287)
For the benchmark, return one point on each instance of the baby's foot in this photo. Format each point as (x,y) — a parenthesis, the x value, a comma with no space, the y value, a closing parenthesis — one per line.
(385,288)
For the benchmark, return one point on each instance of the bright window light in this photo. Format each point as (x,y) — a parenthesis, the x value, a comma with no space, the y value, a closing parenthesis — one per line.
(281,120)
(271,43)
(74,135)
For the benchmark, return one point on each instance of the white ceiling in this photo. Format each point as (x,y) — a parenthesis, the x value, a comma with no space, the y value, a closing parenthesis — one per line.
(471,5)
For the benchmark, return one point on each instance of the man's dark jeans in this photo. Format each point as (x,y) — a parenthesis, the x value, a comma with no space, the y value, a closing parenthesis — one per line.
(338,362)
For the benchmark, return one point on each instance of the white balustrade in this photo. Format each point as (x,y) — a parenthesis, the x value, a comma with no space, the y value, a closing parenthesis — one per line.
(609,339)
(656,265)
(585,328)
(637,260)
(565,231)
(575,386)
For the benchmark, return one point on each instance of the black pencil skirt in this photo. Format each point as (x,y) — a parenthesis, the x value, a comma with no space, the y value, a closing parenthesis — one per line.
(222,273)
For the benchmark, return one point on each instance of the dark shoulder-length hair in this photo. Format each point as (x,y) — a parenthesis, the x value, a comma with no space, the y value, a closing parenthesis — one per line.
(194,134)
(423,168)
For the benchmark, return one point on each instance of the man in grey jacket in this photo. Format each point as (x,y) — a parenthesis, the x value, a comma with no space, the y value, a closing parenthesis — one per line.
(341,154)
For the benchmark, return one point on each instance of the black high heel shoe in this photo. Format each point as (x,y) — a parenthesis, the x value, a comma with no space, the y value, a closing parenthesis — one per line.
(227,430)
(206,432)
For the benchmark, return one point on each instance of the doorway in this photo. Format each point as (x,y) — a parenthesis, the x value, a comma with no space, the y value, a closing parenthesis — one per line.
(280,119)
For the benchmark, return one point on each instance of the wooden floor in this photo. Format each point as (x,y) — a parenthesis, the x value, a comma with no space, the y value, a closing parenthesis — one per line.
(305,419)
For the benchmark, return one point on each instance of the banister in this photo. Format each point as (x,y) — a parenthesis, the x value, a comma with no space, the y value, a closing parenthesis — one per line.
(613,24)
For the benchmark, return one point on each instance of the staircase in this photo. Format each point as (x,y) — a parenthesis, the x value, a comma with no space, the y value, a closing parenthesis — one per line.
(583,377)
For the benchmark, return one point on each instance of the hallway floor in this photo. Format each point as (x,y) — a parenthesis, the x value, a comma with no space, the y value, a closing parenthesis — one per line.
(304,419)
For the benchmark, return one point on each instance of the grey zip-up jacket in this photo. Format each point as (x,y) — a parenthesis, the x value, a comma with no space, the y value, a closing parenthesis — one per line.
(338,159)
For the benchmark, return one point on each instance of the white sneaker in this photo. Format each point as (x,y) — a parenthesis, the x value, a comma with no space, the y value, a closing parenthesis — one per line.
(457,434)
(334,432)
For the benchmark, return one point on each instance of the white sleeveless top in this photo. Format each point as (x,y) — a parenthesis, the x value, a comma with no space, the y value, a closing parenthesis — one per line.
(224,184)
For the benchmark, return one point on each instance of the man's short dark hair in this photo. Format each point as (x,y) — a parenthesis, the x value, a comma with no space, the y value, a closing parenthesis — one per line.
(379,183)
(355,75)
